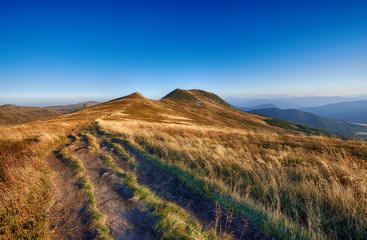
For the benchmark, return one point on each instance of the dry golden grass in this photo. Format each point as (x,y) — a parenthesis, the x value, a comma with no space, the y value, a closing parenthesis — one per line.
(25,180)
(316,182)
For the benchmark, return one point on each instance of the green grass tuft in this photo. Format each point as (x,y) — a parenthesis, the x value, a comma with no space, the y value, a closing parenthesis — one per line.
(97,217)
(172,219)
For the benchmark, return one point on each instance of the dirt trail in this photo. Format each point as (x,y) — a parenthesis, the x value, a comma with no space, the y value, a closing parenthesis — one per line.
(173,189)
(126,217)
(68,218)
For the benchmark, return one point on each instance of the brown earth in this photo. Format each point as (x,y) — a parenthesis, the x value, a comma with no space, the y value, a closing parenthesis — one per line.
(126,217)
(68,218)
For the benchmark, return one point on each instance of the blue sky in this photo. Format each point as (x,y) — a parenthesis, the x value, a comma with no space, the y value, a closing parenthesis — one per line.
(58,52)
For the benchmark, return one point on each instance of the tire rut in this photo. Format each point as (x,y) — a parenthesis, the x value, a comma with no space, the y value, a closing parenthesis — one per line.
(126,217)
(68,217)
(174,190)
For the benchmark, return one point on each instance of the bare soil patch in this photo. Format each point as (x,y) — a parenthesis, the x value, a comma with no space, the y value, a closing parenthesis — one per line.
(126,217)
(68,218)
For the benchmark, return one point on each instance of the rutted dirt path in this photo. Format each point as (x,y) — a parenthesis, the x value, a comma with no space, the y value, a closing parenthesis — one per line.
(174,190)
(68,217)
(126,217)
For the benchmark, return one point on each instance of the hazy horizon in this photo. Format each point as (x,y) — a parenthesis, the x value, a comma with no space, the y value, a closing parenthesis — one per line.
(53,100)
(67,52)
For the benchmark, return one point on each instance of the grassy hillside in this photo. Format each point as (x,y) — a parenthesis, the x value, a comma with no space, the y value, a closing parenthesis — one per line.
(339,128)
(26,180)
(13,114)
(289,184)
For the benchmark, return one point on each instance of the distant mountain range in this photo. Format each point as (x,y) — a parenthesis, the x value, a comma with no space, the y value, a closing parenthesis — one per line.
(347,111)
(14,114)
(292,102)
(336,118)
(337,127)
(73,107)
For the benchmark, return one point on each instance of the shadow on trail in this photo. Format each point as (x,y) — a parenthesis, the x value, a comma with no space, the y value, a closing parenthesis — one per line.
(171,188)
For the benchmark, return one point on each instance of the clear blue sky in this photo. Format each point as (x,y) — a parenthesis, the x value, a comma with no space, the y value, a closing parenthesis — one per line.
(55,52)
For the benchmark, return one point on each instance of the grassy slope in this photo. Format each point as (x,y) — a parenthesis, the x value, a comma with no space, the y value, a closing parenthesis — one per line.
(173,220)
(25,182)
(305,184)
(13,114)
(303,179)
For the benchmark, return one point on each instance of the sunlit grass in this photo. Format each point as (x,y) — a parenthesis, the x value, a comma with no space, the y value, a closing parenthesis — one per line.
(173,221)
(25,179)
(314,182)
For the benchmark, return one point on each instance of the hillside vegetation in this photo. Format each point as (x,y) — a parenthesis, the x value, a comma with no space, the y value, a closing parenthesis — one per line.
(13,114)
(285,183)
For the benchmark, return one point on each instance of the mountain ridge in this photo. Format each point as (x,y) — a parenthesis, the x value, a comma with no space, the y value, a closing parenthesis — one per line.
(355,111)
(337,127)
(195,97)
(13,114)
(288,102)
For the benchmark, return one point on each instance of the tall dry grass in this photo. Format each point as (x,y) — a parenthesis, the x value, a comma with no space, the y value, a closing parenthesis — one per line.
(315,182)
(25,180)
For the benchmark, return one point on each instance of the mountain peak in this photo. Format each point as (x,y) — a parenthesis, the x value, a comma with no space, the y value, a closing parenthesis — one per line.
(211,96)
(196,97)
(135,95)
(181,95)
